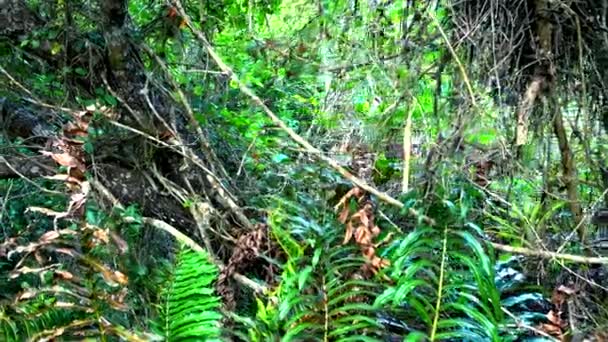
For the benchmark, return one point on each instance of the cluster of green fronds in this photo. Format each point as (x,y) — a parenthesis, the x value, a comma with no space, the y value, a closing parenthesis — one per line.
(440,285)
(323,294)
(444,287)
(17,326)
(189,308)
(71,291)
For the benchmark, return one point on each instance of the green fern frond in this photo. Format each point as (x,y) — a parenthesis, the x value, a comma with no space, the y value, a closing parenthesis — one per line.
(24,326)
(323,295)
(190,308)
(445,286)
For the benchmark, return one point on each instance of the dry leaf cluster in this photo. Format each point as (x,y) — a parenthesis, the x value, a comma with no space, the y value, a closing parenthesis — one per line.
(68,151)
(361,226)
(247,249)
(556,317)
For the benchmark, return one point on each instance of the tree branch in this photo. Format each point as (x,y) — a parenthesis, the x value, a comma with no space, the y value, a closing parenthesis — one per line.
(550,255)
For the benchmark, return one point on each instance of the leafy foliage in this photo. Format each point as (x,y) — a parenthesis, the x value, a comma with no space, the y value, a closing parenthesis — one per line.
(323,293)
(345,76)
(189,307)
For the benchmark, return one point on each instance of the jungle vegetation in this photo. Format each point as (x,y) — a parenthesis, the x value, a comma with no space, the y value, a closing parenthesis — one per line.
(303,170)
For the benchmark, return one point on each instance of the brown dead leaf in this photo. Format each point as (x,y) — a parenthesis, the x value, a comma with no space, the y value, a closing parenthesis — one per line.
(64,274)
(348,233)
(358,192)
(63,159)
(552,330)
(64,178)
(73,146)
(49,236)
(122,245)
(27,295)
(364,218)
(48,212)
(72,130)
(362,235)
(369,252)
(356,216)
(555,319)
(121,278)
(111,277)
(117,305)
(567,290)
(102,235)
(378,262)
(343,215)
(67,251)
(39,258)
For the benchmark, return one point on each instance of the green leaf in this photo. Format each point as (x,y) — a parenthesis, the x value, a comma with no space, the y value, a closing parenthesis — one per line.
(190,309)
(303,277)
(279,158)
(111,100)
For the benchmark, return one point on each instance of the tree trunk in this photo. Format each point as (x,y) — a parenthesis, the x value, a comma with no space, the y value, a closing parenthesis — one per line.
(569,171)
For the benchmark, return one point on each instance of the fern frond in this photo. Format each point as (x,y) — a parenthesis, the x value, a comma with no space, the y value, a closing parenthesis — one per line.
(445,286)
(323,295)
(25,326)
(190,308)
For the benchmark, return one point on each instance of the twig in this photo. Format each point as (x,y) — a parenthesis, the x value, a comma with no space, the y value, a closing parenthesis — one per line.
(582,220)
(588,281)
(407,149)
(22,176)
(32,98)
(521,324)
(4,204)
(238,173)
(463,72)
(551,255)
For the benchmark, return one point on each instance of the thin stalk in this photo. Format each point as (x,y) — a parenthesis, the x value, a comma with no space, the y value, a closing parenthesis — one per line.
(440,287)
(407,149)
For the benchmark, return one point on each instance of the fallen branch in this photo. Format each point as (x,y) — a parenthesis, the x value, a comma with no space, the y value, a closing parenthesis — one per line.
(292,134)
(222,194)
(181,237)
(551,255)
(26,167)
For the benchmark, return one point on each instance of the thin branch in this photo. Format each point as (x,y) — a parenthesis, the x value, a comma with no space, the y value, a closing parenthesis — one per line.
(22,176)
(463,72)
(407,149)
(522,324)
(550,255)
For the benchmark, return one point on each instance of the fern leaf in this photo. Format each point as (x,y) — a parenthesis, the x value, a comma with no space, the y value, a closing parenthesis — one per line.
(190,308)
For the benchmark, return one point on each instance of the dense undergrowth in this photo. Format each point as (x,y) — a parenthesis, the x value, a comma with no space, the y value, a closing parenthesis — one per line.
(301,171)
